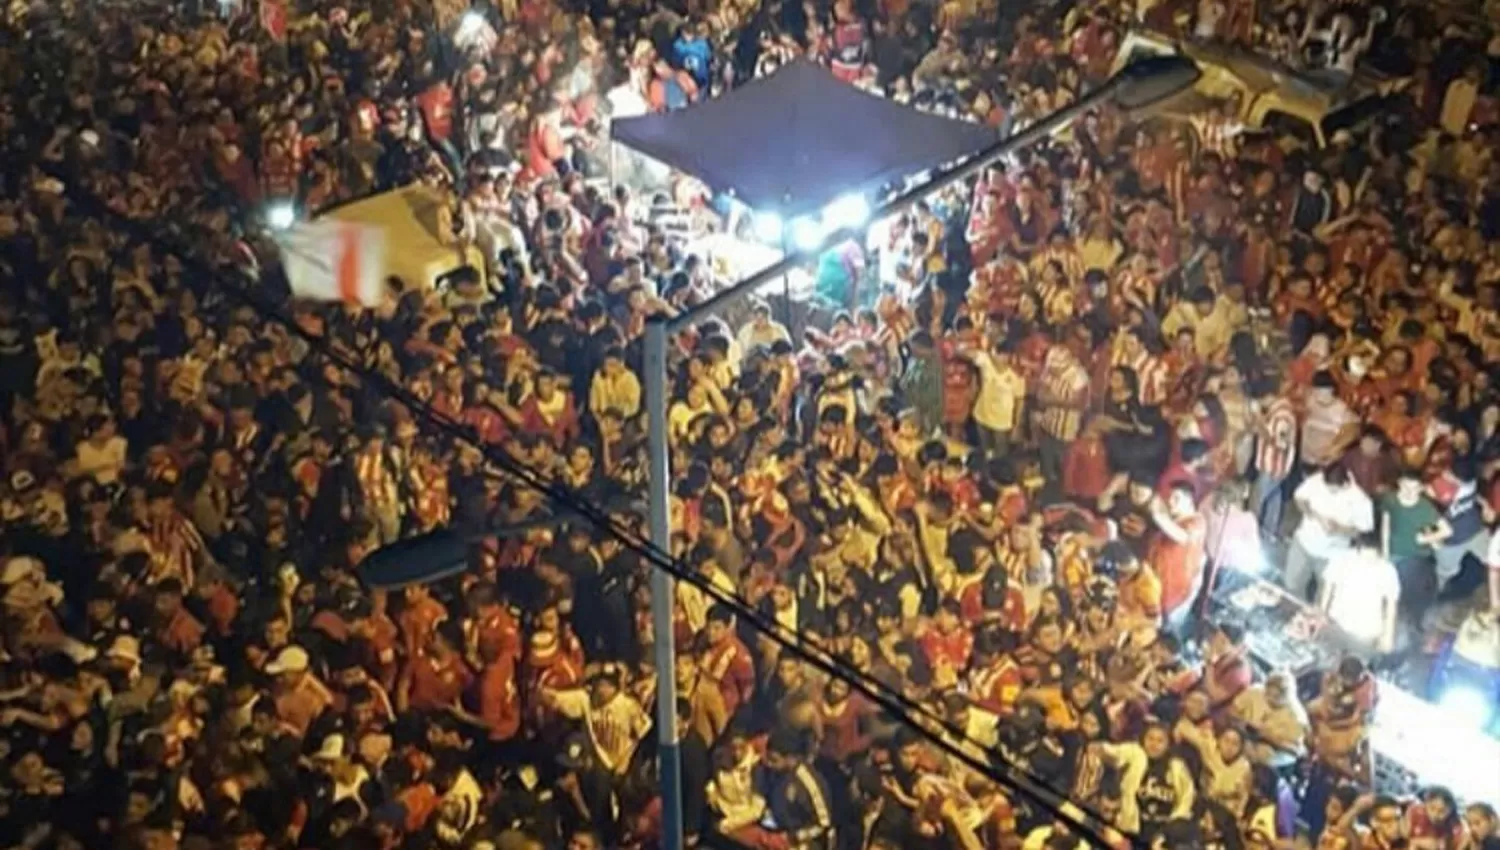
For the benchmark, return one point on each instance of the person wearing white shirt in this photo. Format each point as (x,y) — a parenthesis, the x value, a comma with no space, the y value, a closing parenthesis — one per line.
(1339,44)
(1358,592)
(1276,720)
(761,331)
(613,719)
(1156,786)
(102,455)
(998,407)
(732,792)
(1334,510)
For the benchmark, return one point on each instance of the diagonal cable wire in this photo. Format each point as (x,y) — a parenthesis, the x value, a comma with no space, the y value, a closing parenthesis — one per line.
(995,767)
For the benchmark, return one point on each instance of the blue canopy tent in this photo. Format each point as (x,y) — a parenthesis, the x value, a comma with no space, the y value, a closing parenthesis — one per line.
(798,139)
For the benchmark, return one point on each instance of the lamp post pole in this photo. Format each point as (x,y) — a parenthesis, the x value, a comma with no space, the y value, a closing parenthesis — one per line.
(663,594)
(1136,86)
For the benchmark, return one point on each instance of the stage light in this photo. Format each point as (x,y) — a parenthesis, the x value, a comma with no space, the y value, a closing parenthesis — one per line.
(848,211)
(1469,707)
(281,216)
(807,233)
(768,227)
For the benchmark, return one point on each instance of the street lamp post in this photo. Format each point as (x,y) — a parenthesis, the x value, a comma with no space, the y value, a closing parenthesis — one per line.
(1137,86)
(663,590)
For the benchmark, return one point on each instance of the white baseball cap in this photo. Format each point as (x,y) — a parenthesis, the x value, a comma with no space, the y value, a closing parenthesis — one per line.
(292,659)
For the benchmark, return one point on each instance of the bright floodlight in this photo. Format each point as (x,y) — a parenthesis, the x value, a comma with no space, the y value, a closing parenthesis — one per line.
(807,234)
(472,20)
(1468,706)
(281,216)
(767,227)
(848,211)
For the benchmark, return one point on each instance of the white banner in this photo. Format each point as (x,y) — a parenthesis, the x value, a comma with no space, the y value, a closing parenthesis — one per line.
(335,261)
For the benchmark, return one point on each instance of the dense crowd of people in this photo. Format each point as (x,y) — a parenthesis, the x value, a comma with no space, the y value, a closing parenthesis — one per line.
(995,473)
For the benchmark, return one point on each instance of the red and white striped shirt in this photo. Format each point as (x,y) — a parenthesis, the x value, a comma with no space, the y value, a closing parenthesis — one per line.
(376,482)
(1063,392)
(175,547)
(1151,375)
(1276,442)
(1217,134)
(430,501)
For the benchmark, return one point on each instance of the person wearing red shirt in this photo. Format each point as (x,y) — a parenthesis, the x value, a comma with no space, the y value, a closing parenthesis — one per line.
(952,478)
(420,617)
(497,699)
(843,715)
(437,677)
(376,638)
(179,630)
(497,632)
(1086,469)
(993,601)
(995,679)
(726,661)
(553,662)
(436,104)
(481,414)
(549,411)
(947,642)
(545,145)
(1176,554)
(1190,470)
(1371,462)
(1435,821)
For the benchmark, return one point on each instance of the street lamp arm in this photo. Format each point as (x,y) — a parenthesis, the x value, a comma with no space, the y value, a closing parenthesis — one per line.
(444,552)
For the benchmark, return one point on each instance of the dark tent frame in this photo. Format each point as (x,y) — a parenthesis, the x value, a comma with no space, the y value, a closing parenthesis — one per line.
(796,140)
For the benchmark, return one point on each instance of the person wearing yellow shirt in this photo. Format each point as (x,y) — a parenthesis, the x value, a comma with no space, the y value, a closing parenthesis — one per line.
(1101,249)
(1457,294)
(1212,320)
(703,400)
(615,388)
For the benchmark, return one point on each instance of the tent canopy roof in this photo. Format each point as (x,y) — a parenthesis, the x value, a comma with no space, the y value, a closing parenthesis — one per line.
(798,139)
